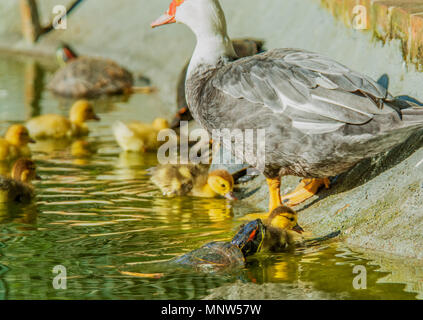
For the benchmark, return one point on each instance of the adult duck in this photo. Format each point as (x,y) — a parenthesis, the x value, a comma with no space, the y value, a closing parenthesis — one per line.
(88,77)
(320,117)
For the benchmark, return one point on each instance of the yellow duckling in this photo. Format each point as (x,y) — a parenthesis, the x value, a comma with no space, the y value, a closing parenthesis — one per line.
(139,137)
(18,188)
(15,143)
(193,180)
(280,225)
(53,126)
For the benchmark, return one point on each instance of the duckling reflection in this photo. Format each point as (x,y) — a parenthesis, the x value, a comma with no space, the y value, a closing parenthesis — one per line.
(24,216)
(186,212)
(82,151)
(53,126)
(130,165)
(18,188)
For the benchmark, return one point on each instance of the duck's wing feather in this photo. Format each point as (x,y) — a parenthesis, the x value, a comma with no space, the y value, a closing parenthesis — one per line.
(315,92)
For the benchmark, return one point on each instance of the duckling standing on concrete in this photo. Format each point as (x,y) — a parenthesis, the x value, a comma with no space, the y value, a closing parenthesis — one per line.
(15,143)
(18,188)
(53,126)
(139,137)
(194,180)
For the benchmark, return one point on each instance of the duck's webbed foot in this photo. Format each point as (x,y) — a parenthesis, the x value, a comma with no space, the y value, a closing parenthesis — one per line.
(305,190)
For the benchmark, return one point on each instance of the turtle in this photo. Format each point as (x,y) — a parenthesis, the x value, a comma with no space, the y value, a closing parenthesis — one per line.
(224,256)
(89,77)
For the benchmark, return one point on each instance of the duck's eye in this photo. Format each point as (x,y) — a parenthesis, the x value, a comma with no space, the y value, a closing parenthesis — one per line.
(291,219)
(223,186)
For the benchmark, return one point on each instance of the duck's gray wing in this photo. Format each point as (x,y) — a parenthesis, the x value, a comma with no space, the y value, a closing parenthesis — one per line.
(318,94)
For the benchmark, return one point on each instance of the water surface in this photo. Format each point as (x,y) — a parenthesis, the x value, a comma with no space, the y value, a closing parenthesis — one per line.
(101,218)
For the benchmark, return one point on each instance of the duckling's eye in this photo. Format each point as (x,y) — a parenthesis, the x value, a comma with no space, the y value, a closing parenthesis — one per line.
(291,219)
(223,185)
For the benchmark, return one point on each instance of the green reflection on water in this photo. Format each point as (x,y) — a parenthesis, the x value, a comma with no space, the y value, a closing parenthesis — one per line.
(99,216)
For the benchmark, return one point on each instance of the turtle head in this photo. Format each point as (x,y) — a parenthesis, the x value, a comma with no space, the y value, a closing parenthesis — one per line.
(82,111)
(222,182)
(284,217)
(250,237)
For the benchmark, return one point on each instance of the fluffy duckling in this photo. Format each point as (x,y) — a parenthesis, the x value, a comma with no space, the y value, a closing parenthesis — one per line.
(193,180)
(280,225)
(15,143)
(52,126)
(139,137)
(18,188)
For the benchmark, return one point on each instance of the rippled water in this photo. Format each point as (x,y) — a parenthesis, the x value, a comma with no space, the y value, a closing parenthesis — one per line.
(100,217)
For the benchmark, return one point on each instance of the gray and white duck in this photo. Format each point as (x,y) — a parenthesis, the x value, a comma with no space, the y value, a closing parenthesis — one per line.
(320,117)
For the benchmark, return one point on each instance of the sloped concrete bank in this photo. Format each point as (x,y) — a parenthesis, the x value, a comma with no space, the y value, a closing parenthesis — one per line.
(377,205)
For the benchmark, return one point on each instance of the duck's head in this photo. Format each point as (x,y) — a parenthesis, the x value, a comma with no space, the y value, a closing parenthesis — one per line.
(199,15)
(285,218)
(222,182)
(65,53)
(24,170)
(82,111)
(18,135)
(160,124)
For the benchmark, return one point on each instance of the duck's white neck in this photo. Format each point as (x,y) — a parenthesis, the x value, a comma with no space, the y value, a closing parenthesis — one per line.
(213,43)
(210,50)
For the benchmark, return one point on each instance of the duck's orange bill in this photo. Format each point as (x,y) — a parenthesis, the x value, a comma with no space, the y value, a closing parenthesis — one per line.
(162,20)
(169,16)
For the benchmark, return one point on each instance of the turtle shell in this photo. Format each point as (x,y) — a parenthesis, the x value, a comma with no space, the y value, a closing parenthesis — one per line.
(213,256)
(86,77)
(219,255)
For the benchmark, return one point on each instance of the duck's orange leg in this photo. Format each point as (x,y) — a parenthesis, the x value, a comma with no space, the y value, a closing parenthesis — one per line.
(274,200)
(274,193)
(305,190)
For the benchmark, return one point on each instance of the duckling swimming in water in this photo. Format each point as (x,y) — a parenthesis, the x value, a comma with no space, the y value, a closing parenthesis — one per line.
(280,226)
(15,143)
(139,137)
(194,180)
(18,188)
(52,126)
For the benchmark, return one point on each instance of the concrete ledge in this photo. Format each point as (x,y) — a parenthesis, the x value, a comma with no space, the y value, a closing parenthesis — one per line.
(387,20)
